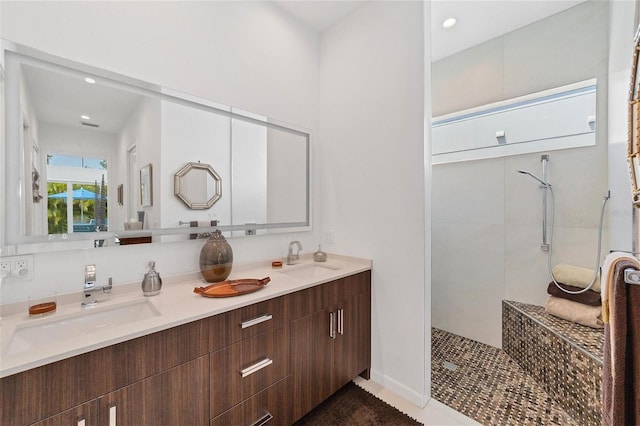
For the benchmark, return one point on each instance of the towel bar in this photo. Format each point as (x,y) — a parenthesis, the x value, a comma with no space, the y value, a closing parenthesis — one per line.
(632,276)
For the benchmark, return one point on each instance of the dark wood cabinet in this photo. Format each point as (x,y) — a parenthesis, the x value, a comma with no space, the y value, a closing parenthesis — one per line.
(270,361)
(179,396)
(270,406)
(248,367)
(82,415)
(331,346)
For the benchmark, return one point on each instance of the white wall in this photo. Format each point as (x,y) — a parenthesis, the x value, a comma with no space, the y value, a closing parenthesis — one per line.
(142,130)
(486,217)
(373,193)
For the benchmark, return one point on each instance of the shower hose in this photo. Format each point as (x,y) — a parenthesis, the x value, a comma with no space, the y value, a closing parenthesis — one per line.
(549,253)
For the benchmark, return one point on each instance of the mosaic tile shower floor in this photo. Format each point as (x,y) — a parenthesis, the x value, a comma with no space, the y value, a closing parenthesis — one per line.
(488,385)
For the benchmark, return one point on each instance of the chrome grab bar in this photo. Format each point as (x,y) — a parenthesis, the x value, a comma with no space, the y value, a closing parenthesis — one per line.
(545,240)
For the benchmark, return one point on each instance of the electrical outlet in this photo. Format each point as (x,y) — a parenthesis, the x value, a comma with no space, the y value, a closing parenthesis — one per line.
(5,269)
(17,268)
(329,237)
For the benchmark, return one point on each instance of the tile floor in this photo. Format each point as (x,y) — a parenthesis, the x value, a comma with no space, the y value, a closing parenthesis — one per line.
(488,385)
(487,388)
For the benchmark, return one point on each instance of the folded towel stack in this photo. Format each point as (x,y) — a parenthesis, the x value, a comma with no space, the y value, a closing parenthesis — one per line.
(584,308)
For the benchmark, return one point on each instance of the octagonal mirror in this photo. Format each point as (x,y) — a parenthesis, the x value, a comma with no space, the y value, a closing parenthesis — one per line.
(198,186)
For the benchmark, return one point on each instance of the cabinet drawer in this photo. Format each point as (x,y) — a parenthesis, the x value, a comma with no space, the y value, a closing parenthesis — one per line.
(257,318)
(269,407)
(248,367)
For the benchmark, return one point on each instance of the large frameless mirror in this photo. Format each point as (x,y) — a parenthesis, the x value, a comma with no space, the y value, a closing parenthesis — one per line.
(76,130)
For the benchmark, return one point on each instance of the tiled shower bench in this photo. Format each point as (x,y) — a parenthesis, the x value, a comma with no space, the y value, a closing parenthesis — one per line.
(563,357)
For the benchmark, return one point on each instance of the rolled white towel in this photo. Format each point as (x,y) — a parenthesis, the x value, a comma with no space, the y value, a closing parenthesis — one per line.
(576,276)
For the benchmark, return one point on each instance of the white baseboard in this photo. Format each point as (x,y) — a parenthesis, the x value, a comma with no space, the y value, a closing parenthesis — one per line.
(398,388)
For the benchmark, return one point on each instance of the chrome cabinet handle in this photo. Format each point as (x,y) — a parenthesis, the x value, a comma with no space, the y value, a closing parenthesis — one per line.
(255,321)
(112,415)
(255,367)
(332,330)
(263,420)
(341,321)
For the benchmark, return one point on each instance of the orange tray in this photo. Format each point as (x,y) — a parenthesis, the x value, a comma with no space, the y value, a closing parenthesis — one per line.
(232,287)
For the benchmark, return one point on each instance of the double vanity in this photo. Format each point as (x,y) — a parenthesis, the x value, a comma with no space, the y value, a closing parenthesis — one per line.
(179,358)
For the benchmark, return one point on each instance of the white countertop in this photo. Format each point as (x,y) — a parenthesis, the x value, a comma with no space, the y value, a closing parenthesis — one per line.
(176,304)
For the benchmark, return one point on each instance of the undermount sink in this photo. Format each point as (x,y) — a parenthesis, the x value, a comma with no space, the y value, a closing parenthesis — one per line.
(309,270)
(90,320)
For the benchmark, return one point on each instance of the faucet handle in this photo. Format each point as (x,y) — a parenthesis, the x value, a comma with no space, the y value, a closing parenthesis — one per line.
(89,275)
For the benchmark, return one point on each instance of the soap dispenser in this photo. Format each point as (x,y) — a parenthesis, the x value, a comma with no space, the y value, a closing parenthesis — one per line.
(151,283)
(319,256)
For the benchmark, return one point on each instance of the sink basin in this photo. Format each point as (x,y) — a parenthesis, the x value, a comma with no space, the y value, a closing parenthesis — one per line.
(90,320)
(309,270)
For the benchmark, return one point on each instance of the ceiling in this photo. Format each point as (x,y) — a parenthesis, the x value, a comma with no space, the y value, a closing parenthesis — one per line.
(478,20)
(107,107)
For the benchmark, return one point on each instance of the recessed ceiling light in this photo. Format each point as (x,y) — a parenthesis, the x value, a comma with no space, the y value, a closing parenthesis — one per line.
(448,23)
(89,80)
(85,117)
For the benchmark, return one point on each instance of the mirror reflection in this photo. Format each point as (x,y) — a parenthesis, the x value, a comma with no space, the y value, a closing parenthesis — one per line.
(74,131)
(198,186)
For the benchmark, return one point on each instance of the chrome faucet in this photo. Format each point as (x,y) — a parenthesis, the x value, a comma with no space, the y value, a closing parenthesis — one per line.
(90,287)
(291,258)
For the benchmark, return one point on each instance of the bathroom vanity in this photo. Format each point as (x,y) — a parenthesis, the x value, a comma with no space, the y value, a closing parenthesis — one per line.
(272,355)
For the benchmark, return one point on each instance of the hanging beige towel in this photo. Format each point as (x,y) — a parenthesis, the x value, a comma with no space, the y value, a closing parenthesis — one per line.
(621,367)
(591,316)
(576,276)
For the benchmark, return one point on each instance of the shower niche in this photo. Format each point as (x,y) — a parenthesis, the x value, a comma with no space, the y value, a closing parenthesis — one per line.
(559,118)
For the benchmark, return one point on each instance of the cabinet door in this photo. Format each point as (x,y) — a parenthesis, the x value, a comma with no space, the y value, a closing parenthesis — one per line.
(179,396)
(352,343)
(311,362)
(82,415)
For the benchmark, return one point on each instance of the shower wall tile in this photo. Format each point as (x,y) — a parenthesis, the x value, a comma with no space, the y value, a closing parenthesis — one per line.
(579,180)
(469,192)
(522,191)
(467,280)
(579,37)
(460,74)
(525,267)
(620,210)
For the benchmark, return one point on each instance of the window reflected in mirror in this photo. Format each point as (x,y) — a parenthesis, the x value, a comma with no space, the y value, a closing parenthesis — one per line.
(76,194)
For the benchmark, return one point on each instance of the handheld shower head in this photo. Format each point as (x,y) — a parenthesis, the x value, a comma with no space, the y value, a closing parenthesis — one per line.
(524,172)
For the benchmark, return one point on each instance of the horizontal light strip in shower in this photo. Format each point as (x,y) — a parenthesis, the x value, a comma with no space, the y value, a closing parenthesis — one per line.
(570,90)
(511,144)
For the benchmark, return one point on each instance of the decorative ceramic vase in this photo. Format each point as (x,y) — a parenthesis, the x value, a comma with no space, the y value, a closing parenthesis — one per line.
(216,258)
